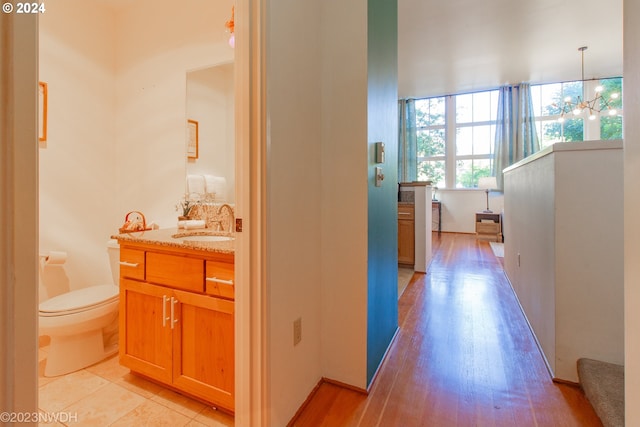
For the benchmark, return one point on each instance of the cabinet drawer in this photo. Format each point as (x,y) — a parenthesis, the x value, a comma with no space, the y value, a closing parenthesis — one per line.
(220,279)
(487,227)
(405,212)
(132,263)
(176,271)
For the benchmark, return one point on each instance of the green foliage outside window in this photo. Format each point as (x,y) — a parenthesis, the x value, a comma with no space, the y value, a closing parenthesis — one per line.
(430,142)
(469,173)
(611,126)
(572,129)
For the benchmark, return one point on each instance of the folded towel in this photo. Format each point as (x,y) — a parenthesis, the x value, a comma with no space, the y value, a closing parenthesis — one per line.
(220,188)
(194,224)
(216,185)
(210,184)
(195,184)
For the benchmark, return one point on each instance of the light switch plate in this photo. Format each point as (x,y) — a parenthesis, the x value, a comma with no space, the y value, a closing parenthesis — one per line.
(379,176)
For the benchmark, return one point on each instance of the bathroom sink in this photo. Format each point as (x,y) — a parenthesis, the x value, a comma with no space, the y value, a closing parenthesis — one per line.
(204,238)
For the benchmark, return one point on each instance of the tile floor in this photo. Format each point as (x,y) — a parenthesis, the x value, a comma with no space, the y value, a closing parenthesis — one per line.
(106,394)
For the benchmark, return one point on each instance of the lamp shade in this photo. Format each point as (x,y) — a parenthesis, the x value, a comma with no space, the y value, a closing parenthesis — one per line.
(487,182)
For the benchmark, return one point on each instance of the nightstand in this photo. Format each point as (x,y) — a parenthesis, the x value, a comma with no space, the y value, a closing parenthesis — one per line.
(489,226)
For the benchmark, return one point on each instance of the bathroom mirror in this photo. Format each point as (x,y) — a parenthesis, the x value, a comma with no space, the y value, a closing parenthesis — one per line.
(210,112)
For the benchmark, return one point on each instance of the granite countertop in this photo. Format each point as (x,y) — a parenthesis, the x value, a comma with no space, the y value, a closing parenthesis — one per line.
(173,237)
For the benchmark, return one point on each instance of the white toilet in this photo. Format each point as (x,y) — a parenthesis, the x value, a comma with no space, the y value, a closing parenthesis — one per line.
(83,323)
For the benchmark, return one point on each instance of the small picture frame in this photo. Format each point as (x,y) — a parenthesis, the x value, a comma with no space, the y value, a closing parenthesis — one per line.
(42,111)
(192,139)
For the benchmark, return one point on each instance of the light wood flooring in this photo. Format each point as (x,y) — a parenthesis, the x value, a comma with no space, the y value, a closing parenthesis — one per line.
(464,356)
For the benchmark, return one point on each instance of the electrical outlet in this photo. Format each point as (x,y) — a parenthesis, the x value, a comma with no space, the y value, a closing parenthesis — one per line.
(297,331)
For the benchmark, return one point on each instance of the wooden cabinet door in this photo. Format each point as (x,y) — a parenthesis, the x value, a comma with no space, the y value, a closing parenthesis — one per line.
(406,242)
(203,358)
(145,337)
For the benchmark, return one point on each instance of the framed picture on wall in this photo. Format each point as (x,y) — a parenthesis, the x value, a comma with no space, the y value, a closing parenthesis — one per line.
(192,142)
(42,111)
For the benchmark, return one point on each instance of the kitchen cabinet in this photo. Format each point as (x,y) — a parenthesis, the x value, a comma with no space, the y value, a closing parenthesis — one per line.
(414,210)
(406,234)
(176,324)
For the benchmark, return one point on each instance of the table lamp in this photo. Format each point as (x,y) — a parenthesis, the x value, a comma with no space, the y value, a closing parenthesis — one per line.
(487,183)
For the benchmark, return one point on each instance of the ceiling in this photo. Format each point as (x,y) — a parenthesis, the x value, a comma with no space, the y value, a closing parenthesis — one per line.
(457,46)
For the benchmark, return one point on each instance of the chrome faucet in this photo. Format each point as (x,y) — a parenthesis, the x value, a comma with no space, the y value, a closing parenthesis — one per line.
(229,215)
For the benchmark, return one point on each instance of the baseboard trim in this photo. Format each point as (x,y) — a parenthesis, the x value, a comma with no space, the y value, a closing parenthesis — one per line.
(566,382)
(344,385)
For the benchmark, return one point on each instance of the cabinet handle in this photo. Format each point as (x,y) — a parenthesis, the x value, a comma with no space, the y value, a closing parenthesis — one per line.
(404,213)
(174,301)
(216,280)
(164,310)
(129,264)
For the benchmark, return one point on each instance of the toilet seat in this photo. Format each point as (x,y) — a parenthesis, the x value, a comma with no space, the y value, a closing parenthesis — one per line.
(80,300)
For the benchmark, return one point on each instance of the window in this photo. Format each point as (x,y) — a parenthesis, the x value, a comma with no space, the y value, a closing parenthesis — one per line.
(431,140)
(548,100)
(475,123)
(456,133)
(473,120)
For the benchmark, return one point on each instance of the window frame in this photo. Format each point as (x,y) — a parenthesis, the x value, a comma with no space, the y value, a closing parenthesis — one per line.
(591,130)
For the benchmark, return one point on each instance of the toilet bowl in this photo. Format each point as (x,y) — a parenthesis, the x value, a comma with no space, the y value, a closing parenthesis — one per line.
(82,324)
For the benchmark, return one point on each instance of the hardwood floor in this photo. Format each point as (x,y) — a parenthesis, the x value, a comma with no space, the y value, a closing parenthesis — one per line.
(464,356)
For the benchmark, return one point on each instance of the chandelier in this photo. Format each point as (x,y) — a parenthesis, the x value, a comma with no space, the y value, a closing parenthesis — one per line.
(592,107)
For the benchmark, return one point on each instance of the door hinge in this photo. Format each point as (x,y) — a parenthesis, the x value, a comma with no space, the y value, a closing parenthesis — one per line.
(238,225)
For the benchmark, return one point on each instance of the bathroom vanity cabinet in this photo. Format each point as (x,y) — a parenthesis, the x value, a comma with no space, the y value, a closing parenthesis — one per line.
(177,318)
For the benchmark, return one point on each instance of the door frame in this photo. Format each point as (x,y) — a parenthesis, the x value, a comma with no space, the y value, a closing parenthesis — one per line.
(251,309)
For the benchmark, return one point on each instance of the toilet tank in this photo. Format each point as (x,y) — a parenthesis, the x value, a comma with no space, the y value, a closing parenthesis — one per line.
(113,249)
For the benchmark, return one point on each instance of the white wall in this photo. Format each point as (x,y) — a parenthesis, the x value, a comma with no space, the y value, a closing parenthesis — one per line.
(533,279)
(156,43)
(631,101)
(564,255)
(294,205)
(459,207)
(77,162)
(317,203)
(116,116)
(343,191)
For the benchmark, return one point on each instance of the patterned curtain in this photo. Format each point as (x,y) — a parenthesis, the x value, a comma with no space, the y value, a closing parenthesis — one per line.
(516,136)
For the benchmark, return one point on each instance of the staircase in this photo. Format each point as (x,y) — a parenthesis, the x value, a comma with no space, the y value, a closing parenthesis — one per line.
(603,384)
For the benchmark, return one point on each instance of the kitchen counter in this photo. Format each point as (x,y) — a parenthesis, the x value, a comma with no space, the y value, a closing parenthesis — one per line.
(418,195)
(171,237)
